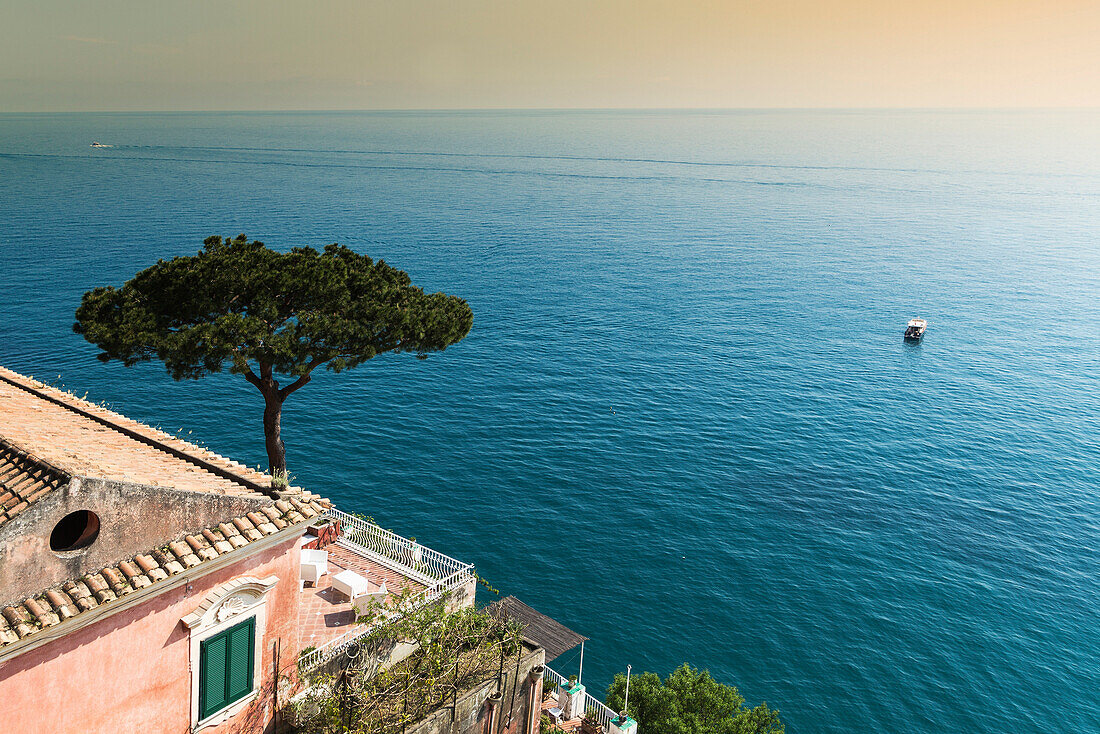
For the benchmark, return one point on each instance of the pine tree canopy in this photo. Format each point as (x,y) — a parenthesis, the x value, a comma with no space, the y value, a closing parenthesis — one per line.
(238,301)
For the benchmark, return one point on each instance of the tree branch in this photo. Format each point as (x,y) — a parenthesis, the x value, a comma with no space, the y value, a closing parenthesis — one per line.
(294,386)
(251,377)
(302,380)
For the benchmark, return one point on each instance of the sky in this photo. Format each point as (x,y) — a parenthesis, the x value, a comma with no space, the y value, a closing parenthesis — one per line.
(58,55)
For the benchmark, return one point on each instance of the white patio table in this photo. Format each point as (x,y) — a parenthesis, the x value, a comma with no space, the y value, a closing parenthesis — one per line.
(350,584)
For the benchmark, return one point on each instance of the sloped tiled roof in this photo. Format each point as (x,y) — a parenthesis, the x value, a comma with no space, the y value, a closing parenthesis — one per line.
(23,479)
(69,600)
(80,438)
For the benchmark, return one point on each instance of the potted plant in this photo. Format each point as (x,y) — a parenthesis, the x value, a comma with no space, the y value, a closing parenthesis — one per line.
(590,724)
(318,526)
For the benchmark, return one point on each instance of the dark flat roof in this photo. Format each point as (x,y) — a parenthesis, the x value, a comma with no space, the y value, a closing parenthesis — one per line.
(550,635)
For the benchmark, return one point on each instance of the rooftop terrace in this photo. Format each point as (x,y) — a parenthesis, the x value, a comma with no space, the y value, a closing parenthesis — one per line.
(326,617)
(324,613)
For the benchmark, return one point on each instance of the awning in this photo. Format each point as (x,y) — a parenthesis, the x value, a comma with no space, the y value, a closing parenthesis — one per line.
(552,636)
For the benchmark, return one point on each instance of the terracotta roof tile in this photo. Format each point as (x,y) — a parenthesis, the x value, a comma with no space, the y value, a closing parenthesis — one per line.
(19,619)
(80,595)
(7,634)
(41,611)
(101,590)
(140,582)
(146,562)
(242,524)
(115,580)
(24,478)
(48,435)
(95,583)
(179,550)
(62,603)
(15,510)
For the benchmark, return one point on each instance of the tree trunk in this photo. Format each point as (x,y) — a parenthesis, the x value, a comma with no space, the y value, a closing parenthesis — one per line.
(273,414)
(276,451)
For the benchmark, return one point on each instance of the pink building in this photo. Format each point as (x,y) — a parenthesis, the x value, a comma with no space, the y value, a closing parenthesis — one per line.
(147,584)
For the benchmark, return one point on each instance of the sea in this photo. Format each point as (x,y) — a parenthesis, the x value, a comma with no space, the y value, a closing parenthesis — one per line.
(685,423)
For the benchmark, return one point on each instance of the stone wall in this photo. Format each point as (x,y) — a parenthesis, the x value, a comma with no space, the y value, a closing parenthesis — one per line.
(134,518)
(511,707)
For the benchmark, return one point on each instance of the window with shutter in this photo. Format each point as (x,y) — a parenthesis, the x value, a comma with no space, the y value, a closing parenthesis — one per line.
(226,666)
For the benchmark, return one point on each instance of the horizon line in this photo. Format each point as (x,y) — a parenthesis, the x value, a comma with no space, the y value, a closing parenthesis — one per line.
(1062,108)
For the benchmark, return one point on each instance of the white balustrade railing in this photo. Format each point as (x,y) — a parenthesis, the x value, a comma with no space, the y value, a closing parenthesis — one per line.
(554,676)
(438,572)
(405,556)
(601,711)
(604,715)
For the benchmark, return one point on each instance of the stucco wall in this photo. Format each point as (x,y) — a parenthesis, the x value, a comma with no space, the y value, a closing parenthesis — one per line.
(133,518)
(130,672)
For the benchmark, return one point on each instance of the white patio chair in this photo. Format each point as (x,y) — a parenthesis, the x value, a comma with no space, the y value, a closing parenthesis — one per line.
(363,602)
(314,565)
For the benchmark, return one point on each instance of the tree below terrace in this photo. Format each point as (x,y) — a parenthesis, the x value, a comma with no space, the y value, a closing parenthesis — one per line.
(690,701)
(262,313)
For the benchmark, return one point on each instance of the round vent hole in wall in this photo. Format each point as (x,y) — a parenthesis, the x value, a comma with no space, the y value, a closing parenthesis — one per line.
(75,531)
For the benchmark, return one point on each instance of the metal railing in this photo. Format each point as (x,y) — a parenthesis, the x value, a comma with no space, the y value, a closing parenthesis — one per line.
(554,676)
(438,572)
(407,557)
(601,711)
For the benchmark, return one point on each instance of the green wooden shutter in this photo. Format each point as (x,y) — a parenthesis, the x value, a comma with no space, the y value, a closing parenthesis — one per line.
(226,667)
(212,696)
(242,639)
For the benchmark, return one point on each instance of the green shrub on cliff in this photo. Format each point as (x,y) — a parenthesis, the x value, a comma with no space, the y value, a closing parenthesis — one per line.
(690,701)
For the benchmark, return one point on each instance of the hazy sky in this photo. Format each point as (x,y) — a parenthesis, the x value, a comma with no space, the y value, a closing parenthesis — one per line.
(360,54)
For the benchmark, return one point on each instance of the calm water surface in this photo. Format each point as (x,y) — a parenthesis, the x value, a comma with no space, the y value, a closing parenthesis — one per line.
(685,423)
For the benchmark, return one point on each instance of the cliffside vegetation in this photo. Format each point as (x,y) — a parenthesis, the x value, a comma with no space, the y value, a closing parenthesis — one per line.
(690,701)
(454,651)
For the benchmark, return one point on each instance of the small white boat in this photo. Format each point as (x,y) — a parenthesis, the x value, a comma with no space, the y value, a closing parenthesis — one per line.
(96,144)
(915,329)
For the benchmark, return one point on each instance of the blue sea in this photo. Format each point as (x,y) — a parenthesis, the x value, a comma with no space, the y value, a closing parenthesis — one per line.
(685,422)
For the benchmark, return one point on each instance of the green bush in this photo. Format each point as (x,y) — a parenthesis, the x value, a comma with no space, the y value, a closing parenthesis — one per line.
(690,701)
